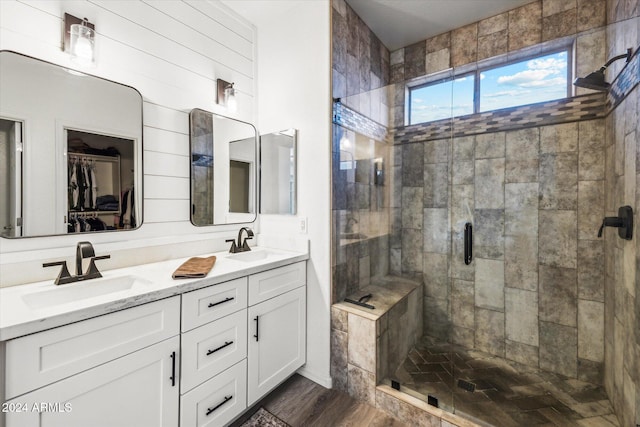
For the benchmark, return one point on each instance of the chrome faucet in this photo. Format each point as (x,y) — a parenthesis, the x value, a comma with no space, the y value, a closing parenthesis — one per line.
(83,250)
(241,245)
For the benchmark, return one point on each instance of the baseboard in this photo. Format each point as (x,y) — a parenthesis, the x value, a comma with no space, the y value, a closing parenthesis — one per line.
(324,381)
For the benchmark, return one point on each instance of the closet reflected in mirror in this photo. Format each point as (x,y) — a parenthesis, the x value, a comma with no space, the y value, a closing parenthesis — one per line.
(70,151)
(223,169)
(278,172)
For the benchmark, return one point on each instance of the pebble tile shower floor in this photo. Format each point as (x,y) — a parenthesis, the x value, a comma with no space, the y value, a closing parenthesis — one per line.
(506,393)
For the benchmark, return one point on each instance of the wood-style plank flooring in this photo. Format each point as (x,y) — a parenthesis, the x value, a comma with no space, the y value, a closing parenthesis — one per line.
(301,402)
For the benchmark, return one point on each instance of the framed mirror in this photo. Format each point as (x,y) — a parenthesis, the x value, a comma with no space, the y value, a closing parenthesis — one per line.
(223,169)
(278,172)
(70,151)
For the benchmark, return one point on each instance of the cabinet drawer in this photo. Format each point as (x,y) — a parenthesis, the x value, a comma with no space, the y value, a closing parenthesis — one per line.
(217,401)
(39,359)
(211,303)
(268,284)
(212,348)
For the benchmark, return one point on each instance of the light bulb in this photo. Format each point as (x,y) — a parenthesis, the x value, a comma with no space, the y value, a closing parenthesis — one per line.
(230,97)
(82,44)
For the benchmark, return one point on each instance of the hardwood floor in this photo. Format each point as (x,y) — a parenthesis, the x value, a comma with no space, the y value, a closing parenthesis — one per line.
(301,402)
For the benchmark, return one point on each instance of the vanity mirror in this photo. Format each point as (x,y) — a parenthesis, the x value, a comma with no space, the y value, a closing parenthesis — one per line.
(70,150)
(223,169)
(278,172)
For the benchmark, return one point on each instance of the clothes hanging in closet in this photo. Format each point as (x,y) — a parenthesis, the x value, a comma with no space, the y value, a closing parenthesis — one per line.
(127,217)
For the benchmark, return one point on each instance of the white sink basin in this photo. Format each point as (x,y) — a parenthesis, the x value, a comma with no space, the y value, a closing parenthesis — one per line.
(251,256)
(83,290)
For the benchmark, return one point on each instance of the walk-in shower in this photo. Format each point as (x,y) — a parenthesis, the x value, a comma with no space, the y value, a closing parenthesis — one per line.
(490,218)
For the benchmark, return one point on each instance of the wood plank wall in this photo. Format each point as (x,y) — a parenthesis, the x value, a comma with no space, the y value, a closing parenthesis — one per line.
(172,52)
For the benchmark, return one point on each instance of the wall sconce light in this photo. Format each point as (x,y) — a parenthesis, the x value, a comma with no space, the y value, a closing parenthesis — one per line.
(226,95)
(79,39)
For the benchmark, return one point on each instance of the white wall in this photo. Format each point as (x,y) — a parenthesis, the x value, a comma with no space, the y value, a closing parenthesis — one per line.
(293,92)
(172,52)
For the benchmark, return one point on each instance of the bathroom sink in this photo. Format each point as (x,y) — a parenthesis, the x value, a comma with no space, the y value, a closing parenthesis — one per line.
(80,291)
(250,256)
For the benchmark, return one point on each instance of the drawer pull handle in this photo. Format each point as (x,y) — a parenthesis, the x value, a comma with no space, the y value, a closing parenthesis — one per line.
(173,369)
(226,399)
(213,304)
(226,344)
(257,335)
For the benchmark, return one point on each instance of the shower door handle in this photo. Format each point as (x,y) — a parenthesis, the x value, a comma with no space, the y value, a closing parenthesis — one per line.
(468,243)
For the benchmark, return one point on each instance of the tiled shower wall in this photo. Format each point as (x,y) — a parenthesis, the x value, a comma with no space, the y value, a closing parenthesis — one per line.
(535,196)
(360,205)
(535,290)
(360,65)
(622,187)
(505,35)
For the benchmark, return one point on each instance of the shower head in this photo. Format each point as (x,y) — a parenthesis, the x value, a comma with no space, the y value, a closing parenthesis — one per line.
(595,80)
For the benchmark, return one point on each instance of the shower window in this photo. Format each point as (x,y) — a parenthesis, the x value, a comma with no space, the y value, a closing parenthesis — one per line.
(525,82)
(435,101)
(536,79)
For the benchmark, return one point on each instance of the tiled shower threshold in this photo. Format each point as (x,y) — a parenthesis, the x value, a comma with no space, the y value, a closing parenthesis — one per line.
(506,393)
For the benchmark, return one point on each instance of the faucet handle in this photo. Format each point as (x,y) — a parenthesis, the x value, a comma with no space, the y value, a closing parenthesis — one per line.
(64,276)
(234,247)
(92,271)
(245,246)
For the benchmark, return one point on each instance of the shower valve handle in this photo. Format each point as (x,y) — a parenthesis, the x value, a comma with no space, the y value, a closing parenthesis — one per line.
(610,221)
(624,223)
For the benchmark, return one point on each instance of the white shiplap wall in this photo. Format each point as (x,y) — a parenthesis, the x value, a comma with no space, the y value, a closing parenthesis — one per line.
(172,52)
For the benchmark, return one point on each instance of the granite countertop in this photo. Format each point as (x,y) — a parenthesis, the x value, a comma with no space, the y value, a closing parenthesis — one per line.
(153,282)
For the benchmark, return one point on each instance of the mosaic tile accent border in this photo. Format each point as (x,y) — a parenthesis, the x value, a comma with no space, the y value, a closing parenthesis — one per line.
(586,107)
(350,119)
(626,81)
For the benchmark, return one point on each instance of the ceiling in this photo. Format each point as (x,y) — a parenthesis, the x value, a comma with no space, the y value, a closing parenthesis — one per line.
(399,23)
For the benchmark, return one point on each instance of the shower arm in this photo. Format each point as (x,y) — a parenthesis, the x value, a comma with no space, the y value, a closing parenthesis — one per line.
(615,58)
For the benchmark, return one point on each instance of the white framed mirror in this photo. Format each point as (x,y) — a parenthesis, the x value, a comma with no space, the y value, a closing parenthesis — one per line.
(71,151)
(278,186)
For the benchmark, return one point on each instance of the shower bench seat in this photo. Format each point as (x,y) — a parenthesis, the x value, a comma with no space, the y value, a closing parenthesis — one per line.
(368,344)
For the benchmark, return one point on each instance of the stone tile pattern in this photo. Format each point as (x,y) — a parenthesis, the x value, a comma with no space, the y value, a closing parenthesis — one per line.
(625,82)
(350,119)
(585,107)
(360,204)
(365,351)
(507,394)
(534,293)
(202,168)
(622,187)
(360,63)
(521,31)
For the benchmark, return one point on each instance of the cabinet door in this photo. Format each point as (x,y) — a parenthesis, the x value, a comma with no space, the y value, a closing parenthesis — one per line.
(140,389)
(277,344)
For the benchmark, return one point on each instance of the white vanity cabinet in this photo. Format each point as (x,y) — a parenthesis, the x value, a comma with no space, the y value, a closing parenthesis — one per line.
(191,360)
(225,367)
(277,331)
(117,369)
(214,354)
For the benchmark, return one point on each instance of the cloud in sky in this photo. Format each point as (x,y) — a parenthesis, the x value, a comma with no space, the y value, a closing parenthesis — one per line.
(541,72)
